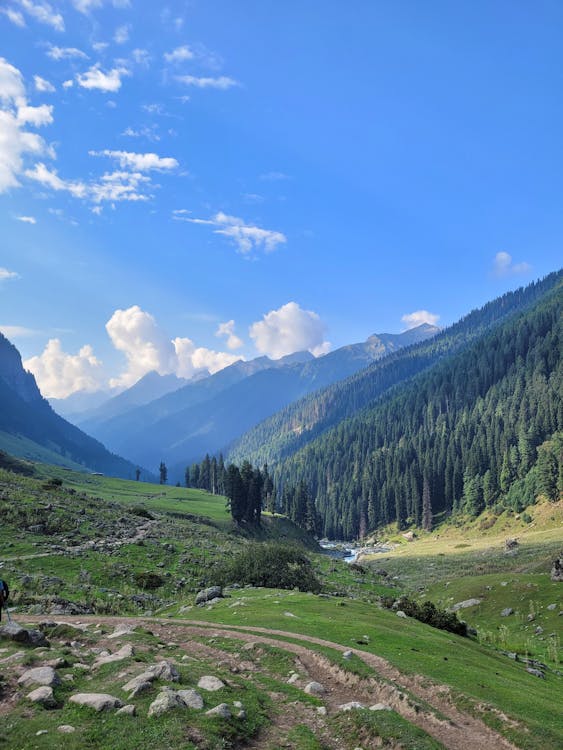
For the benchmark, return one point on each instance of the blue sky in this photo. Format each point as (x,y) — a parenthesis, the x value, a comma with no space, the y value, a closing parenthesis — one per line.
(185,183)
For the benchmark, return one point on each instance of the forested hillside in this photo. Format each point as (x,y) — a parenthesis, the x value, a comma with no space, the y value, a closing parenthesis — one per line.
(481,427)
(301,422)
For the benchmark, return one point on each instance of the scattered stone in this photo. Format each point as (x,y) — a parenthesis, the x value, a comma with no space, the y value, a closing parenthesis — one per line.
(536,672)
(321,710)
(208,682)
(125,652)
(39,676)
(289,614)
(44,696)
(380,707)
(551,607)
(123,629)
(400,613)
(66,728)
(16,633)
(315,688)
(191,698)
(128,710)
(97,701)
(41,732)
(506,612)
(166,701)
(510,544)
(164,670)
(140,687)
(81,666)
(222,711)
(347,654)
(13,657)
(293,678)
(531,617)
(557,569)
(465,604)
(207,595)
(538,630)
(351,706)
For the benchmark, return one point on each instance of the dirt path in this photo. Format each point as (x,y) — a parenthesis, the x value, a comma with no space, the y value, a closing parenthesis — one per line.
(436,714)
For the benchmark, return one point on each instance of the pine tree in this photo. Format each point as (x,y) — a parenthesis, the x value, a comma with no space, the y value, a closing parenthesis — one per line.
(163,471)
(426,505)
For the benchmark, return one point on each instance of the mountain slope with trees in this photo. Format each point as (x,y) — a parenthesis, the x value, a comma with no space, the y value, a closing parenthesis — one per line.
(301,422)
(481,427)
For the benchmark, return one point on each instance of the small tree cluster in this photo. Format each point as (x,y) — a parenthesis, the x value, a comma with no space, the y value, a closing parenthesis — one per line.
(208,475)
(428,613)
(299,505)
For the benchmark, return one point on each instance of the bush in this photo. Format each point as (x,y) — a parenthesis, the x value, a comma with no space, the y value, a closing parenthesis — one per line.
(148,580)
(273,565)
(139,510)
(428,613)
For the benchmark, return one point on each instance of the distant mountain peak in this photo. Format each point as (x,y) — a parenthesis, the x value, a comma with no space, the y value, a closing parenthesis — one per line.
(13,373)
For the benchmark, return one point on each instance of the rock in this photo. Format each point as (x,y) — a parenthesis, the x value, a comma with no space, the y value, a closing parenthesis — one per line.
(347,654)
(538,630)
(164,670)
(40,676)
(531,617)
(551,607)
(97,701)
(123,629)
(206,595)
(125,652)
(44,696)
(536,672)
(380,707)
(16,633)
(17,656)
(191,698)
(222,711)
(557,569)
(315,688)
(208,682)
(351,706)
(140,687)
(293,678)
(321,710)
(166,701)
(510,544)
(66,728)
(506,612)
(400,613)
(465,604)
(128,710)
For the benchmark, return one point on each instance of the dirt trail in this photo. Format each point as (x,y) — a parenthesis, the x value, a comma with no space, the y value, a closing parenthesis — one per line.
(437,715)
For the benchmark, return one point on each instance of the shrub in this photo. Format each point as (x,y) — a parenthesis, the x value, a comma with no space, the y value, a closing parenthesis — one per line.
(139,510)
(148,580)
(428,613)
(273,565)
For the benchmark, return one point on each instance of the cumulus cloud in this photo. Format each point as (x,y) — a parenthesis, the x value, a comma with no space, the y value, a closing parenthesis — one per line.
(139,162)
(15,16)
(65,53)
(42,85)
(246,237)
(147,347)
(59,374)
(418,317)
(289,329)
(207,82)
(43,13)
(16,142)
(503,266)
(121,34)
(180,54)
(86,6)
(228,329)
(27,219)
(95,79)
(5,274)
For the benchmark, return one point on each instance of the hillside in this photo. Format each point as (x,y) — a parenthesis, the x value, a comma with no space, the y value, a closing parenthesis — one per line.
(30,428)
(204,417)
(479,428)
(301,422)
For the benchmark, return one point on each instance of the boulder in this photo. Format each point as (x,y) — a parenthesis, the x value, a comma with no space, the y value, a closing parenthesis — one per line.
(44,696)
(315,688)
(164,670)
(125,652)
(16,633)
(557,570)
(208,682)
(191,698)
(128,710)
(39,676)
(350,706)
(400,613)
(97,701)
(222,711)
(380,707)
(206,595)
(536,672)
(347,654)
(507,612)
(66,728)
(465,604)
(166,701)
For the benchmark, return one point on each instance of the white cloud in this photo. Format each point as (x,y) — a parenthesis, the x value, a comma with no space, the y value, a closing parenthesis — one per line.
(139,162)
(5,274)
(503,266)
(247,237)
(16,143)
(121,34)
(85,6)
(180,54)
(41,84)
(59,374)
(43,13)
(14,16)
(274,176)
(95,78)
(141,56)
(65,53)
(27,219)
(49,178)
(150,133)
(15,332)
(206,82)
(147,347)
(228,329)
(289,329)
(418,317)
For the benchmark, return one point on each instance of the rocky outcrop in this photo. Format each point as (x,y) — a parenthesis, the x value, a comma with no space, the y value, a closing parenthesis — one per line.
(97,701)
